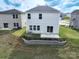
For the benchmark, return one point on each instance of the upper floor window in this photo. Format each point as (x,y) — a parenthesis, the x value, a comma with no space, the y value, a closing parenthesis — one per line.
(29,16)
(15,16)
(40,16)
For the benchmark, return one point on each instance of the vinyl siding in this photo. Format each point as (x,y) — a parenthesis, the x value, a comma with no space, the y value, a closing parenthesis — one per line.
(48,19)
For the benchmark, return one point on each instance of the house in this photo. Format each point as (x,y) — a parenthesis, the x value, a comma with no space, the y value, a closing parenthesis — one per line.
(62,16)
(68,15)
(74,21)
(43,20)
(11,19)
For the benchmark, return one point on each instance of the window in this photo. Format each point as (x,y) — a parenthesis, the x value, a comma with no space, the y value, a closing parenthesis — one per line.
(49,28)
(40,16)
(29,16)
(73,19)
(5,25)
(34,27)
(16,24)
(30,27)
(15,16)
(38,27)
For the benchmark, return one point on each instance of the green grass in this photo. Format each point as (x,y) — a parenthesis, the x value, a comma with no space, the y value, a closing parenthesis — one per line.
(13,48)
(66,18)
(70,34)
(4,31)
(19,32)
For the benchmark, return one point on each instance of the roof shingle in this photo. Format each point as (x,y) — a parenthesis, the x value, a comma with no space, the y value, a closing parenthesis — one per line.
(75,11)
(44,9)
(11,11)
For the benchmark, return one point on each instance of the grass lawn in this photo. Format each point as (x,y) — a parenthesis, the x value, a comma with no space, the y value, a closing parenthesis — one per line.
(4,31)
(13,48)
(71,34)
(66,18)
(19,32)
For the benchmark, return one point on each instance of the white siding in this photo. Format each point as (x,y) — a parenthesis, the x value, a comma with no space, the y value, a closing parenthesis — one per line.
(48,19)
(75,23)
(8,18)
(71,20)
(23,20)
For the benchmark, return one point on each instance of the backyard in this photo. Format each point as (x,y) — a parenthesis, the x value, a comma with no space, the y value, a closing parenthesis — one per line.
(12,46)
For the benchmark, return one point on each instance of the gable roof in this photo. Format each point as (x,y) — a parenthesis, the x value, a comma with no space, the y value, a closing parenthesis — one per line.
(11,11)
(75,11)
(43,9)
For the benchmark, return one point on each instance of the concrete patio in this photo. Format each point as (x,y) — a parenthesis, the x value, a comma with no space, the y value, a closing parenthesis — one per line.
(49,36)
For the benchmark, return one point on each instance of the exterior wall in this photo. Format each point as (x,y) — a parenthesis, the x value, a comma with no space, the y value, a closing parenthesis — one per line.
(8,18)
(74,23)
(68,15)
(23,20)
(48,19)
(77,21)
(71,20)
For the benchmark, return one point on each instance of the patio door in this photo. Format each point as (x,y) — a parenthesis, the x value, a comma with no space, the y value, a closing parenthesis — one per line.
(50,29)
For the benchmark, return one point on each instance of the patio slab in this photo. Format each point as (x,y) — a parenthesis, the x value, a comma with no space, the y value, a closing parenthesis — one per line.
(50,36)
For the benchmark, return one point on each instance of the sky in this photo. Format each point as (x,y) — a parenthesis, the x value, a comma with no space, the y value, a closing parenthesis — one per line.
(65,6)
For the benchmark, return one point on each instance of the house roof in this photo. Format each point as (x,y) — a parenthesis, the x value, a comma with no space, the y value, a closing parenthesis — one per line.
(44,9)
(11,11)
(76,11)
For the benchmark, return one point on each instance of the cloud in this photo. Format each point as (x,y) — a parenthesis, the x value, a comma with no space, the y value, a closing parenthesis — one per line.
(20,4)
(53,2)
(13,3)
(71,3)
(28,4)
(62,5)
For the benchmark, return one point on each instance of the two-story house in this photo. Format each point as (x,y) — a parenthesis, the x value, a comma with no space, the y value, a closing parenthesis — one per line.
(74,21)
(10,19)
(43,20)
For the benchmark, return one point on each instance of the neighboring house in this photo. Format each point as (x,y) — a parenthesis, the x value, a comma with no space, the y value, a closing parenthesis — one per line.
(68,15)
(43,20)
(62,16)
(74,22)
(11,19)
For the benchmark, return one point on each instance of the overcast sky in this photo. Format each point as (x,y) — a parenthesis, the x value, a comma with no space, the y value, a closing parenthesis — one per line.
(62,5)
